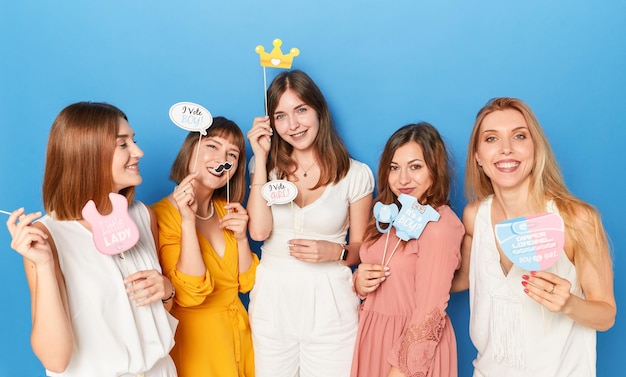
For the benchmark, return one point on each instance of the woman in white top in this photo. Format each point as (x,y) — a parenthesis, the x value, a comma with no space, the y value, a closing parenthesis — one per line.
(529,323)
(94,314)
(303,312)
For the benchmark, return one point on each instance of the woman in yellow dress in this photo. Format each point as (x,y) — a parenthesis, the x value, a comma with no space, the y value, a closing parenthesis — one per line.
(204,251)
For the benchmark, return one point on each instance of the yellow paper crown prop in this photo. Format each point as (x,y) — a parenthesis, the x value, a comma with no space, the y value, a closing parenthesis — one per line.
(276,58)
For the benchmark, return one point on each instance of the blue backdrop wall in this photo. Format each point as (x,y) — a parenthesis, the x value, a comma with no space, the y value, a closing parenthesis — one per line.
(380,64)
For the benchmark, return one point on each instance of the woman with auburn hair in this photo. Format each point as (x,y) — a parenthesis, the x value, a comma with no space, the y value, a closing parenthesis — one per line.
(93,314)
(303,312)
(539,323)
(403,326)
(205,253)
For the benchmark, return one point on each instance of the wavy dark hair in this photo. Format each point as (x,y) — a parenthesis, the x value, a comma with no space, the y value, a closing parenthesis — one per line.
(436,159)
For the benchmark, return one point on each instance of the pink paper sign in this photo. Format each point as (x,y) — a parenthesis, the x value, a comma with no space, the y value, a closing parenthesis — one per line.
(114,233)
(533,242)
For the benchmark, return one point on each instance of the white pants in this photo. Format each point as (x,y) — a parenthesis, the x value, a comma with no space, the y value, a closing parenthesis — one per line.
(304,319)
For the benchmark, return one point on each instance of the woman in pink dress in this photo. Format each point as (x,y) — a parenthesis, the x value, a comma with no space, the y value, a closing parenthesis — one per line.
(403,326)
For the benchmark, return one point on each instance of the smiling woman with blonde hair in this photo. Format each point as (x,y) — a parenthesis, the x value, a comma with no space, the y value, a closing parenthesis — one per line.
(539,323)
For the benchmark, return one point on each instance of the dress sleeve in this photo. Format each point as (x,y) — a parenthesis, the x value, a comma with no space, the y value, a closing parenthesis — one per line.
(361,181)
(190,290)
(439,256)
(246,279)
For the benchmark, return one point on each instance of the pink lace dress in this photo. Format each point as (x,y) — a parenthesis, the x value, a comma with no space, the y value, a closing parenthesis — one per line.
(404,323)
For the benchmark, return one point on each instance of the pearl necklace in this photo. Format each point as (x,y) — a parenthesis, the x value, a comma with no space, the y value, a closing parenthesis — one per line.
(211,212)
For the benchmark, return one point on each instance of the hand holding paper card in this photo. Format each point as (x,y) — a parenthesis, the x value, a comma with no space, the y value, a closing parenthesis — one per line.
(279,192)
(115,232)
(532,242)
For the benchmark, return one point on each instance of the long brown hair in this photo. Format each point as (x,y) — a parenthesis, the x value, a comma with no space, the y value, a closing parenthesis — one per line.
(224,128)
(329,149)
(79,159)
(546,179)
(436,159)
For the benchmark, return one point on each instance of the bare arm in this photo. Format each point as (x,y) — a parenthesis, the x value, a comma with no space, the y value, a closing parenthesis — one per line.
(461,277)
(190,261)
(359,216)
(597,309)
(261,223)
(236,220)
(52,337)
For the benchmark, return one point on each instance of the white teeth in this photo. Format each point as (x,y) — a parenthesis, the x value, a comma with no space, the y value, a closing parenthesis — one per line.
(507,165)
(298,134)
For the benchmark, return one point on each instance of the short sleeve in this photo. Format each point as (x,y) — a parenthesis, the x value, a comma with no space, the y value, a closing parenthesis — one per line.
(361,181)
(251,166)
(247,278)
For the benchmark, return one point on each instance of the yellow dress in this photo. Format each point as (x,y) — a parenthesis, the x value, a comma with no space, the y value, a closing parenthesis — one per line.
(213,336)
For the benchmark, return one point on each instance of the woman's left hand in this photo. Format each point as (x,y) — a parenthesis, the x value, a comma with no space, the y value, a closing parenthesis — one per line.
(548,289)
(148,286)
(235,220)
(314,251)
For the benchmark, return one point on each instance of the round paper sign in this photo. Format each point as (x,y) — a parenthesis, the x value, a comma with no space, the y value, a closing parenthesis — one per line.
(279,192)
(191,117)
(534,242)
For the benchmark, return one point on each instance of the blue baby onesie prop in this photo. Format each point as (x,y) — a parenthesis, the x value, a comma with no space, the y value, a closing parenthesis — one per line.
(410,221)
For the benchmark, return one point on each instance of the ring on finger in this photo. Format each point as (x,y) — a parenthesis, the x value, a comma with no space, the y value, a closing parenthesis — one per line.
(552,290)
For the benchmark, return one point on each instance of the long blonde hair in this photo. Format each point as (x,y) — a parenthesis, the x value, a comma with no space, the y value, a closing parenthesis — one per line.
(546,180)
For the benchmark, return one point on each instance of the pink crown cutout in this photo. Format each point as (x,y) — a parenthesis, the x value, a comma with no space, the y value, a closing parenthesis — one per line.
(114,233)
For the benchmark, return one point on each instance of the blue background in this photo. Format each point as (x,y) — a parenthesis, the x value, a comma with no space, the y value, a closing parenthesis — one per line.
(380,64)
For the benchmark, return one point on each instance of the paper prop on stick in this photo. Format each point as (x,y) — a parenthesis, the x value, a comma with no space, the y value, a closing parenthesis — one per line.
(279,192)
(533,242)
(191,117)
(220,169)
(275,59)
(114,233)
(409,222)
